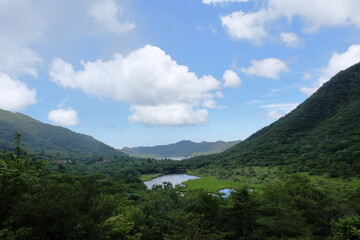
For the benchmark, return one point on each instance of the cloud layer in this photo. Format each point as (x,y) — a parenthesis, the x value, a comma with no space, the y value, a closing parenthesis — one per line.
(252,26)
(21,23)
(160,91)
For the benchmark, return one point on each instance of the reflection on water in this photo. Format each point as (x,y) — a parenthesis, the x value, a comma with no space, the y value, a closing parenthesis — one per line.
(225,193)
(174,179)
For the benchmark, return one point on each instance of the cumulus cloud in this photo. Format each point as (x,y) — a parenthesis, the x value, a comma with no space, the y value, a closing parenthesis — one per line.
(268,67)
(147,79)
(105,13)
(15,95)
(337,62)
(290,39)
(64,117)
(231,79)
(222,1)
(247,26)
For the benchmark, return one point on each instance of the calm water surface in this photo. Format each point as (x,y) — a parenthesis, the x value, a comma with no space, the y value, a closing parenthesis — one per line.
(226,192)
(174,179)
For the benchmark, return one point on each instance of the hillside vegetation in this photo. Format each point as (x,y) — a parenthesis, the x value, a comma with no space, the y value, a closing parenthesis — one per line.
(321,135)
(184,148)
(49,140)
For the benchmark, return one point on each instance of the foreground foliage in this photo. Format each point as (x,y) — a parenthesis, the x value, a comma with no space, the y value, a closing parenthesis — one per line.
(36,203)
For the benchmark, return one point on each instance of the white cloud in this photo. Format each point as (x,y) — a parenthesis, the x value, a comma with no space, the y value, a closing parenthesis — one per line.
(274,114)
(307,76)
(290,39)
(309,90)
(18,60)
(222,1)
(219,94)
(64,117)
(286,107)
(278,110)
(247,26)
(21,23)
(105,13)
(315,15)
(210,104)
(146,79)
(174,114)
(253,102)
(268,67)
(337,62)
(15,95)
(319,13)
(231,79)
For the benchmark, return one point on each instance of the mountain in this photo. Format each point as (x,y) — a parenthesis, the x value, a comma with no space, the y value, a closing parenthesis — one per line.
(184,148)
(322,135)
(49,140)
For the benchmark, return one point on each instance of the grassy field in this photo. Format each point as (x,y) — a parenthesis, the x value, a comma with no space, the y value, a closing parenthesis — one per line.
(212,184)
(254,177)
(147,177)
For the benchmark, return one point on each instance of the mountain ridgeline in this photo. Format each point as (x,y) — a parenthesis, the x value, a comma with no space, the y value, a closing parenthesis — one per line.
(49,140)
(184,148)
(322,135)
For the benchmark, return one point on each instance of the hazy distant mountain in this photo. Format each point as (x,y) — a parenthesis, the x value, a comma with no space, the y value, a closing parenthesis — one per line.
(321,135)
(184,148)
(46,139)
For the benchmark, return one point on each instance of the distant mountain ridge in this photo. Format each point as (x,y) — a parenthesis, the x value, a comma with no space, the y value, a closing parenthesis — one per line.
(183,148)
(322,135)
(45,139)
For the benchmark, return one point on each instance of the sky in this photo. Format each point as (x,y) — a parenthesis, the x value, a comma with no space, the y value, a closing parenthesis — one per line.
(151,72)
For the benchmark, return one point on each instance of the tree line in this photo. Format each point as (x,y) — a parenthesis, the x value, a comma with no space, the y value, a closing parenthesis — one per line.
(41,203)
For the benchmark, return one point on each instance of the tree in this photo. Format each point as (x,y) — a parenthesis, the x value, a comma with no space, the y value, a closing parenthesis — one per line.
(293,208)
(347,228)
(18,173)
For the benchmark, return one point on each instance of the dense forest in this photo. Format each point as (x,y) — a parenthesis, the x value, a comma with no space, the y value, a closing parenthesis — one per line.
(37,202)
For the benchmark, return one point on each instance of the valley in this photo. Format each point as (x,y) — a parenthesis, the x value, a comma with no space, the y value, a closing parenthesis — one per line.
(303,171)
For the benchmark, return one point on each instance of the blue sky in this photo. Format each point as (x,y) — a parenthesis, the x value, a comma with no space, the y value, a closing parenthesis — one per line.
(150,72)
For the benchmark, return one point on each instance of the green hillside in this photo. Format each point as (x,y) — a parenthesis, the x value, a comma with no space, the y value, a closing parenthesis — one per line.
(49,140)
(322,135)
(184,148)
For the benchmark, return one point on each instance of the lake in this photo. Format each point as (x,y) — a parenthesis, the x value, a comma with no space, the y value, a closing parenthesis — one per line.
(174,179)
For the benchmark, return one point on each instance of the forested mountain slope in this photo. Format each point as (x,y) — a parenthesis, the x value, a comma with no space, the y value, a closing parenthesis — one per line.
(321,135)
(49,140)
(184,148)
